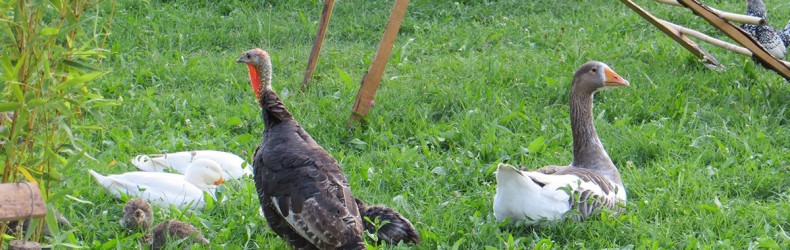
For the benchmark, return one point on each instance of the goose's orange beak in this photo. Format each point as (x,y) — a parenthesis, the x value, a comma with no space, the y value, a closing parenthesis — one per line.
(613,79)
(220,181)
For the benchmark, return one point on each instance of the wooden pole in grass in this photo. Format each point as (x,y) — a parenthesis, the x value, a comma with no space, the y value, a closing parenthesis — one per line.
(726,15)
(326,13)
(739,36)
(673,33)
(371,80)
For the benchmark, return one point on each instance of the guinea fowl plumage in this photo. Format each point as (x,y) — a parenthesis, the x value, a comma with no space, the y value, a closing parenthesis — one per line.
(774,42)
(304,195)
(589,183)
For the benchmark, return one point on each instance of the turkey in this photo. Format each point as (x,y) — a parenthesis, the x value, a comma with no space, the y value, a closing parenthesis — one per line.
(590,183)
(774,42)
(233,166)
(303,193)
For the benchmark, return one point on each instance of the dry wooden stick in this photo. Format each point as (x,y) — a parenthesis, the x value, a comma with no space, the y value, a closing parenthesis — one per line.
(714,41)
(739,36)
(709,39)
(326,13)
(732,17)
(371,80)
(675,35)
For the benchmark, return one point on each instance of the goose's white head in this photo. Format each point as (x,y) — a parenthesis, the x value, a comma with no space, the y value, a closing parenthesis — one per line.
(204,172)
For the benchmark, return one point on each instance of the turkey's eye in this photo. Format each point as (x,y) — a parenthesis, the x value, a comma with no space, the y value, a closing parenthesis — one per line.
(248,56)
(594,70)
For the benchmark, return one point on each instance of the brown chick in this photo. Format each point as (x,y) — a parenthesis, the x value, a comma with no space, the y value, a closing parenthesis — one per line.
(394,227)
(174,230)
(137,215)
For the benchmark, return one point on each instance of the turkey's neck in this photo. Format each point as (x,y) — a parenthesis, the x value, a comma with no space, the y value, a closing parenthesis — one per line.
(588,152)
(272,108)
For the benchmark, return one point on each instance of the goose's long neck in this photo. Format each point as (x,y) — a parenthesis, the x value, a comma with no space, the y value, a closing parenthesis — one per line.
(588,152)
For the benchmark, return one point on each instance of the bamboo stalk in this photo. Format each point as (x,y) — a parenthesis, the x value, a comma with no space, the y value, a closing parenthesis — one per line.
(719,43)
(709,39)
(732,17)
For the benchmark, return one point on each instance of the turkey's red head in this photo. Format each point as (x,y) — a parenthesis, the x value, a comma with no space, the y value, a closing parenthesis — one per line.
(260,66)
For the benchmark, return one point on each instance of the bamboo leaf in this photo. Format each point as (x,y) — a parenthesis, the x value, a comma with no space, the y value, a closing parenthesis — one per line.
(79,65)
(9,106)
(79,80)
(27,174)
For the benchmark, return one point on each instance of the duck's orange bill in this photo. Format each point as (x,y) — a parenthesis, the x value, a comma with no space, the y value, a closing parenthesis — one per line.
(220,181)
(613,79)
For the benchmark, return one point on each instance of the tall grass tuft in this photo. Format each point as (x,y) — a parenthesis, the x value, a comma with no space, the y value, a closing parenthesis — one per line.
(48,61)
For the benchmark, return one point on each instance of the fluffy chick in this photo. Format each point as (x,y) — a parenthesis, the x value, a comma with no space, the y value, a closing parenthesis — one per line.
(137,215)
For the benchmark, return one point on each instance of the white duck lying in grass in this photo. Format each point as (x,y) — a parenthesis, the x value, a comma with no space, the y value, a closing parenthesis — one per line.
(590,183)
(166,189)
(233,166)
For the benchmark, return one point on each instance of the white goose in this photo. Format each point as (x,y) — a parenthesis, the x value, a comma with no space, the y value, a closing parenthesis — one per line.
(164,189)
(233,166)
(591,181)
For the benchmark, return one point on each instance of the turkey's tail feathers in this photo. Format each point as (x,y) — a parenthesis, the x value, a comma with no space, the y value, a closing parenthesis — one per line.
(393,228)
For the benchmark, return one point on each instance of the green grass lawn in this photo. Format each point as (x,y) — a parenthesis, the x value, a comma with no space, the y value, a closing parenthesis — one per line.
(703,154)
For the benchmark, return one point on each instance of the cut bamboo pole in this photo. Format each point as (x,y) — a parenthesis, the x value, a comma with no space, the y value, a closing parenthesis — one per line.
(732,17)
(714,41)
(692,47)
(709,39)
(739,36)
(326,13)
(371,80)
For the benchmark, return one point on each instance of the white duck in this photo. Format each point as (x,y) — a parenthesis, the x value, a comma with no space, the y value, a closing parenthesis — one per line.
(165,188)
(233,166)
(591,181)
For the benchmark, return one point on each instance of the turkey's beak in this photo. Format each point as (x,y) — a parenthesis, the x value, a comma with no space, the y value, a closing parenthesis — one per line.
(220,181)
(240,60)
(613,79)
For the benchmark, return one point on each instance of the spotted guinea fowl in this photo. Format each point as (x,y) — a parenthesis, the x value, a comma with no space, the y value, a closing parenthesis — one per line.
(304,195)
(137,215)
(589,183)
(774,42)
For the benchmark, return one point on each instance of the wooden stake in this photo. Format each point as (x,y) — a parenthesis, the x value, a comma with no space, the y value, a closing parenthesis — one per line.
(732,17)
(371,80)
(21,200)
(739,36)
(326,13)
(714,41)
(675,35)
(709,39)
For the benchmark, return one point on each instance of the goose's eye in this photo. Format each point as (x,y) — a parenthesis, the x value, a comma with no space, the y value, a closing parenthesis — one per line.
(594,70)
